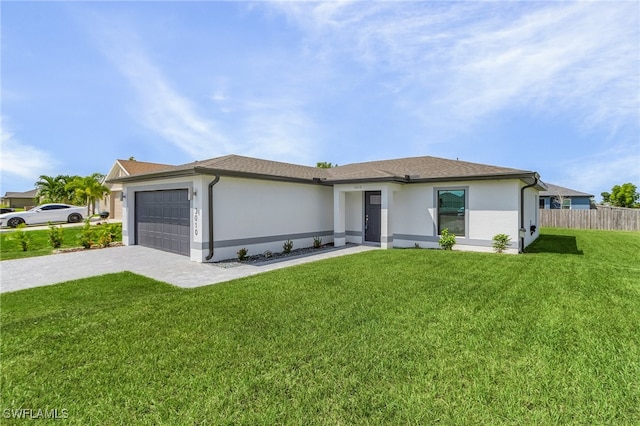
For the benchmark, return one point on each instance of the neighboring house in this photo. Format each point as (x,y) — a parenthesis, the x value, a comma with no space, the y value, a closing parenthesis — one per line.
(112,203)
(558,197)
(18,200)
(210,209)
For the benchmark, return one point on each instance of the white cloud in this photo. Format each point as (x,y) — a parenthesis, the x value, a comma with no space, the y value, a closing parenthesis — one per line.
(22,160)
(458,62)
(271,125)
(163,109)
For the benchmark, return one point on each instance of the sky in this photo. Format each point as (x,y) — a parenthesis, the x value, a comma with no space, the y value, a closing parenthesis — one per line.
(552,87)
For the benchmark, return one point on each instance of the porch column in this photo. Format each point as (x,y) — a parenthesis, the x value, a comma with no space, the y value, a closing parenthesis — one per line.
(386,231)
(339,227)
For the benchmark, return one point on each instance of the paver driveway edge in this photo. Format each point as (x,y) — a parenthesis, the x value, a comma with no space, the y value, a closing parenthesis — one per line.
(171,268)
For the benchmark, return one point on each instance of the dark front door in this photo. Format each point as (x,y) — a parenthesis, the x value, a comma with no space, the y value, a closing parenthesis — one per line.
(372,205)
(162,220)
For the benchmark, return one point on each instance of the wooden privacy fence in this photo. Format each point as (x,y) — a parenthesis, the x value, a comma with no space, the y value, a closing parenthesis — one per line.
(610,218)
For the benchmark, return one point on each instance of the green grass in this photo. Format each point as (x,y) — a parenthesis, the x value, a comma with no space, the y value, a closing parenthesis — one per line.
(383,337)
(40,245)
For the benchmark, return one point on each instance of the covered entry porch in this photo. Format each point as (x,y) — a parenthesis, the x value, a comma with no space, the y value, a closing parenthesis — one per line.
(362,213)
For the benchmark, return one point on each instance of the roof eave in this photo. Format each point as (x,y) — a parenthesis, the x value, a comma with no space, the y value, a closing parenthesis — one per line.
(398,179)
(153,176)
(212,171)
(260,176)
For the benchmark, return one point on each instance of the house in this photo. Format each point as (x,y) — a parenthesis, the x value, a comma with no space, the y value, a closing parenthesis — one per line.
(18,200)
(113,201)
(208,210)
(558,197)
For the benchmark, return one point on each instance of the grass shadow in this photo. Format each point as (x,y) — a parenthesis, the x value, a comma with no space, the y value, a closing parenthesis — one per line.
(560,244)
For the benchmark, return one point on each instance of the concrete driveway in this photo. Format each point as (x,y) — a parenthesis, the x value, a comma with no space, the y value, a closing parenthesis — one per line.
(171,268)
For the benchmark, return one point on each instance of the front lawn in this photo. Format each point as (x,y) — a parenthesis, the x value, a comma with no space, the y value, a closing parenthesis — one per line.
(39,244)
(382,337)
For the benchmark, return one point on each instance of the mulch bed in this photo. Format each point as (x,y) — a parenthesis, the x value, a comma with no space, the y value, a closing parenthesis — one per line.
(265,257)
(74,249)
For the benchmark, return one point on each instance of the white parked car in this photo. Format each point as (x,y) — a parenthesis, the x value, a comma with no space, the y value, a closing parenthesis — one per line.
(43,214)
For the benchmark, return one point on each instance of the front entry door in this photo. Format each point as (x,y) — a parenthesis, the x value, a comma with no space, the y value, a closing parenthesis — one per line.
(372,205)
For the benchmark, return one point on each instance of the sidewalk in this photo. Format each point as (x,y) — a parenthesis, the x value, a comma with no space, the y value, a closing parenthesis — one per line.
(171,268)
(93,221)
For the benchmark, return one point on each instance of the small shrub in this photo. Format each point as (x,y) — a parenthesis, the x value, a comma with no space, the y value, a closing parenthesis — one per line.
(287,246)
(501,242)
(56,236)
(22,237)
(267,253)
(86,236)
(104,236)
(416,246)
(317,242)
(447,240)
(242,254)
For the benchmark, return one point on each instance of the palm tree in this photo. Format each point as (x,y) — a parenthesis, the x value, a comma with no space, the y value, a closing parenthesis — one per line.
(88,189)
(53,189)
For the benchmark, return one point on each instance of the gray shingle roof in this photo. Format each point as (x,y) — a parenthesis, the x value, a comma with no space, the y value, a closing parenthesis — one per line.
(27,194)
(418,168)
(562,191)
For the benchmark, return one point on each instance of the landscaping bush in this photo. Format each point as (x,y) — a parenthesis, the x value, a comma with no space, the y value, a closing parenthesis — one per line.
(501,242)
(447,240)
(242,254)
(56,236)
(86,236)
(287,246)
(22,237)
(317,242)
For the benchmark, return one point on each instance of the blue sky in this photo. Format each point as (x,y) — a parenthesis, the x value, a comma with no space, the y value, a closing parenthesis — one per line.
(547,86)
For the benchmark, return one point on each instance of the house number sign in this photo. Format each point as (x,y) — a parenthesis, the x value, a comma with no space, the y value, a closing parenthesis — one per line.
(195,223)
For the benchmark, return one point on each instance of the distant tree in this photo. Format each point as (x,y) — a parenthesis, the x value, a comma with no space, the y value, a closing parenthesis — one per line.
(325,165)
(54,189)
(132,158)
(88,189)
(625,195)
(606,196)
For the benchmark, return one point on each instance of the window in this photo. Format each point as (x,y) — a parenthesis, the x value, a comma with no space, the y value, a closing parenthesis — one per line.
(452,211)
(566,204)
(55,207)
(541,203)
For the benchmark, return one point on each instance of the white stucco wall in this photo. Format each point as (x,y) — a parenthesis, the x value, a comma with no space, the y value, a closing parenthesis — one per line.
(261,215)
(354,217)
(531,215)
(492,208)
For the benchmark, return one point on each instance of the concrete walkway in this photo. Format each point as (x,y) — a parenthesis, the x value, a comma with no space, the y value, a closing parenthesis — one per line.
(178,270)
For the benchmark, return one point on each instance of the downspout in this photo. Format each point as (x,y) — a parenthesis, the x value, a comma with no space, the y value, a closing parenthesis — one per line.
(213,182)
(522,231)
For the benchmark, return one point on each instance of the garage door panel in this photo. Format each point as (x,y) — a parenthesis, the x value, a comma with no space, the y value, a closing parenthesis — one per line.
(162,220)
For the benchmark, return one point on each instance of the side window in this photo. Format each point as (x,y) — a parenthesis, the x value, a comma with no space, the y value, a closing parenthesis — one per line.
(566,204)
(452,211)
